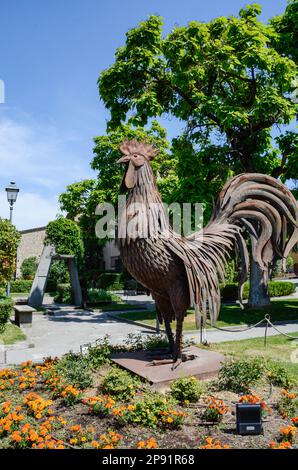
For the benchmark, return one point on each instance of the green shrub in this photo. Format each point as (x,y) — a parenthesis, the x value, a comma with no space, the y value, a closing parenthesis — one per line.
(21,285)
(276,289)
(119,384)
(99,354)
(29,267)
(287,406)
(58,275)
(187,389)
(110,281)
(152,342)
(278,375)
(101,295)
(6,309)
(239,376)
(64,294)
(279,288)
(75,369)
(137,342)
(154,410)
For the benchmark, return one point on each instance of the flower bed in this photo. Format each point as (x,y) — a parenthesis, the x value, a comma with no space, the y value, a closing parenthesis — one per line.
(40,409)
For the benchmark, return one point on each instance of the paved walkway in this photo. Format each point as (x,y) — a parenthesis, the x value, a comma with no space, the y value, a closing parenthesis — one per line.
(68,329)
(54,335)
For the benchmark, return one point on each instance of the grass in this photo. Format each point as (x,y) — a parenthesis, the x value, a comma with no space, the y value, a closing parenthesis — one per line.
(280,310)
(115,307)
(11,334)
(279,348)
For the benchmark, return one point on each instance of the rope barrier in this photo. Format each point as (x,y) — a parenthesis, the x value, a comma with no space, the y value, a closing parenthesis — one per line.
(295,338)
(85,347)
(266,320)
(235,330)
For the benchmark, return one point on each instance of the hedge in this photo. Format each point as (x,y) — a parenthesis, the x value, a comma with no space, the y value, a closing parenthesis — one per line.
(19,286)
(111,281)
(276,289)
(101,295)
(6,309)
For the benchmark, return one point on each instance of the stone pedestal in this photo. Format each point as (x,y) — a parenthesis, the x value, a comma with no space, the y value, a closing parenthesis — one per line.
(23,315)
(204,366)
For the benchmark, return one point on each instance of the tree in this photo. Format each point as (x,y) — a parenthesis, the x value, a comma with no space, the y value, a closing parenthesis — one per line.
(286,26)
(229,84)
(65,235)
(9,241)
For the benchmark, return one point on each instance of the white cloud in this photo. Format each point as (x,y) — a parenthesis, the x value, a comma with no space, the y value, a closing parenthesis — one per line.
(30,210)
(39,154)
(43,160)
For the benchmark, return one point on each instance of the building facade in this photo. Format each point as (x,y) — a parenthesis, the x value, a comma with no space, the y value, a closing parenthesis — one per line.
(31,244)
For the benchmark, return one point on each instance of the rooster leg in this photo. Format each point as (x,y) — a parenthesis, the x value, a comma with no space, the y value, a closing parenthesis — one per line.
(165,309)
(169,335)
(179,356)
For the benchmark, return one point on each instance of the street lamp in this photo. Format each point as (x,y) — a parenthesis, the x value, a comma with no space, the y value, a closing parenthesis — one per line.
(12,193)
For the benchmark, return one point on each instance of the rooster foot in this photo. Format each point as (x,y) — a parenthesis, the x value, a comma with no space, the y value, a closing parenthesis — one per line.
(161,361)
(183,358)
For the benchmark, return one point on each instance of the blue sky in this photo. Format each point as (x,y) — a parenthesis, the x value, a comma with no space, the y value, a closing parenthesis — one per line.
(52,52)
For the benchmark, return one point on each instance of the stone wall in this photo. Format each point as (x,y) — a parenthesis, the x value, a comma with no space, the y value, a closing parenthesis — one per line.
(31,244)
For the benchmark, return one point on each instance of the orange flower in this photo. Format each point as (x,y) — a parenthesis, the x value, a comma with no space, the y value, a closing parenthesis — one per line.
(16,437)
(295,421)
(211,443)
(76,428)
(149,444)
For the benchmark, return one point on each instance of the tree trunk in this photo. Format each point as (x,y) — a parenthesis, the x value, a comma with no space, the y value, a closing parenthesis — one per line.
(258,292)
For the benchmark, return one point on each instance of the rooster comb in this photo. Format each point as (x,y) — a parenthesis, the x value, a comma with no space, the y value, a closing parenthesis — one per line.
(129,147)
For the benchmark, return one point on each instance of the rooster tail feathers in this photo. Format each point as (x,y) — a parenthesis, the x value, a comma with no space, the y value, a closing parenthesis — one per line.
(262,206)
(266,208)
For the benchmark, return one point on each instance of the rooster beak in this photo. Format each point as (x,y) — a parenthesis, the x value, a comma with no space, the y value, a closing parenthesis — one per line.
(124,159)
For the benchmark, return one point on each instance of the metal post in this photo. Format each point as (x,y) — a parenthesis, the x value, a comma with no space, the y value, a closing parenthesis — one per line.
(267,318)
(201,330)
(10,220)
(157,323)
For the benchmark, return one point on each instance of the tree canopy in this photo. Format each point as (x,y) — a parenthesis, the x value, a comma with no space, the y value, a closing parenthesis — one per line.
(230,81)
(65,235)
(286,26)
(225,79)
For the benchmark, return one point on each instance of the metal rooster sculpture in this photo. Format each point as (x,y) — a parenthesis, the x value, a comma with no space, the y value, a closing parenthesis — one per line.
(183,271)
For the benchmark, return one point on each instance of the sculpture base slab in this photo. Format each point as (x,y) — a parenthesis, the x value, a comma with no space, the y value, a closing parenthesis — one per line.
(205,365)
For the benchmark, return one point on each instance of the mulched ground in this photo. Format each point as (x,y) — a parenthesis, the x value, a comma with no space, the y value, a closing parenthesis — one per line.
(191,434)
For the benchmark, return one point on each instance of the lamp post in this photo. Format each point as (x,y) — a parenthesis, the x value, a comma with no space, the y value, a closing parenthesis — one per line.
(12,193)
